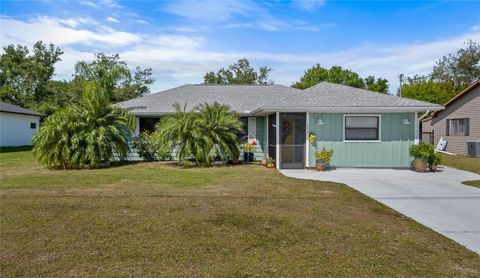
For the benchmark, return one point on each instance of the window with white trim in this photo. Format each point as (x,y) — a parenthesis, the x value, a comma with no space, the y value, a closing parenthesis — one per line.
(362,128)
(458,126)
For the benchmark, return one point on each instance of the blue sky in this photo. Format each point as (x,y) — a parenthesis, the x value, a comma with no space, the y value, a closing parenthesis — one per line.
(181,40)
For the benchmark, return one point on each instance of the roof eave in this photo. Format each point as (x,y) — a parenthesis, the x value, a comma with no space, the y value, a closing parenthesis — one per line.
(347,109)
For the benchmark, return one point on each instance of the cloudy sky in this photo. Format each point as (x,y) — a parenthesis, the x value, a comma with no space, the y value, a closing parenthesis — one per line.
(181,40)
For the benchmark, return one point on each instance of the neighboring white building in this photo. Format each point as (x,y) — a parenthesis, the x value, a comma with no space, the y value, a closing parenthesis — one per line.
(17,125)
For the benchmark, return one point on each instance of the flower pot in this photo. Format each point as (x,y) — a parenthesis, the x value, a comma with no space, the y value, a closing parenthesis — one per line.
(248,157)
(420,166)
(321,166)
(433,167)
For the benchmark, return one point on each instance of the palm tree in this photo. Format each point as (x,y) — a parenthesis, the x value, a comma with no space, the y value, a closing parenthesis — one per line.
(198,134)
(178,132)
(84,134)
(219,125)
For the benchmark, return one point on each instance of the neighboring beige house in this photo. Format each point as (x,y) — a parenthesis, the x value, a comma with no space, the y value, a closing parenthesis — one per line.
(459,123)
(17,125)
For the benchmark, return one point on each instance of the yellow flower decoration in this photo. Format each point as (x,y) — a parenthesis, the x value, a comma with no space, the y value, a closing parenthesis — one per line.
(312,138)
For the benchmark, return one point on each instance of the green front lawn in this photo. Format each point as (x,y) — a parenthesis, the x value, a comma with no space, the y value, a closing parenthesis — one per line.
(472,183)
(461,162)
(156,219)
(471,164)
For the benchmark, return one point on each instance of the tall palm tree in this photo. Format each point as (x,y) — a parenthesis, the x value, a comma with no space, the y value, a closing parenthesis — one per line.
(179,133)
(85,134)
(198,134)
(219,125)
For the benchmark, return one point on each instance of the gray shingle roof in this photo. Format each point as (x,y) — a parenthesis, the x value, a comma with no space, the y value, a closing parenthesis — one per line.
(327,94)
(241,98)
(246,99)
(7,107)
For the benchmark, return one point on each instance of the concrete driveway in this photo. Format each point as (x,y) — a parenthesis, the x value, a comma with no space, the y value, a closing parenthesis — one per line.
(436,200)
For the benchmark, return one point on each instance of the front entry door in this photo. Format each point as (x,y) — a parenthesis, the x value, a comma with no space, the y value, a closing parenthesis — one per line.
(292,140)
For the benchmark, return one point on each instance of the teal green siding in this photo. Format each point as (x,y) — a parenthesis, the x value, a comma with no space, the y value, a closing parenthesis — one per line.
(261,138)
(392,151)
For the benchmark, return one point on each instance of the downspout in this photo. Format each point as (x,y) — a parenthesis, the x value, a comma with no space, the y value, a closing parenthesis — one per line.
(424,115)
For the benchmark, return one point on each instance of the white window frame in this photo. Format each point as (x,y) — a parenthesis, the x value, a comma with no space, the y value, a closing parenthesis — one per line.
(363,115)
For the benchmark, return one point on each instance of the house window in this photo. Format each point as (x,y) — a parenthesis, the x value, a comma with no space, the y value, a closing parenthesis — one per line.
(33,125)
(458,126)
(362,128)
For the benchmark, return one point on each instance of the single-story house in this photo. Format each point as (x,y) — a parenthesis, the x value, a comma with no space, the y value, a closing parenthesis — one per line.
(364,128)
(17,125)
(458,124)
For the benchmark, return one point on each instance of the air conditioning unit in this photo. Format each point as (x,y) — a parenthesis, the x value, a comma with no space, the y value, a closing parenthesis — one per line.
(473,148)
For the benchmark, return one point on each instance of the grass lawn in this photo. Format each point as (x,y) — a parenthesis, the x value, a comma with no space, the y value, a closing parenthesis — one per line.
(472,183)
(156,219)
(461,162)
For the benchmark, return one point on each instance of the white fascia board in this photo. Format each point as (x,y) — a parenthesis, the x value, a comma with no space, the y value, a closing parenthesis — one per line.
(346,109)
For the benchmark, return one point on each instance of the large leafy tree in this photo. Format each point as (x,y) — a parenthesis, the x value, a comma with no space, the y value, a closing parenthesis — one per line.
(339,75)
(461,68)
(24,74)
(115,77)
(86,134)
(450,75)
(206,131)
(240,72)
(426,89)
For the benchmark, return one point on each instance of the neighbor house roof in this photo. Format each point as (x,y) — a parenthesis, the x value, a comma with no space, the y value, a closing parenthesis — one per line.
(241,98)
(10,108)
(467,90)
(330,97)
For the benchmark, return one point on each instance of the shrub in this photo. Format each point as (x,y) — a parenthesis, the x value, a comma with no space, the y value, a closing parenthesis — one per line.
(422,151)
(145,146)
(324,155)
(84,135)
(435,159)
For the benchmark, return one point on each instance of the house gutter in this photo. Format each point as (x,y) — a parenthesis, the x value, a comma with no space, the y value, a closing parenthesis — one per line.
(424,116)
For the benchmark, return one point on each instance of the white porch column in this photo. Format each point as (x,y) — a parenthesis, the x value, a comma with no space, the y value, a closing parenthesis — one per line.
(277,130)
(417,129)
(307,142)
(137,127)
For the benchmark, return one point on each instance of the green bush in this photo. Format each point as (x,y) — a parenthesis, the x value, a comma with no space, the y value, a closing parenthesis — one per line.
(435,159)
(422,151)
(145,146)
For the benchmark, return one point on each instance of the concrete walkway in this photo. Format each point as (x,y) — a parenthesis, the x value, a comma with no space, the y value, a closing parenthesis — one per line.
(436,200)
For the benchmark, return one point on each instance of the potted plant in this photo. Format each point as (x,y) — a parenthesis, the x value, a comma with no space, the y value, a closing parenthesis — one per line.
(323,158)
(434,160)
(270,162)
(248,150)
(421,153)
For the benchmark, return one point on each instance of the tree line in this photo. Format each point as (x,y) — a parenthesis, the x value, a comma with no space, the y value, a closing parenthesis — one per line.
(26,77)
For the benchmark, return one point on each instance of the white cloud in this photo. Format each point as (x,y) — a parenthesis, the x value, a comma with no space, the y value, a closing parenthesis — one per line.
(180,59)
(61,32)
(112,19)
(240,14)
(89,4)
(211,10)
(141,21)
(308,5)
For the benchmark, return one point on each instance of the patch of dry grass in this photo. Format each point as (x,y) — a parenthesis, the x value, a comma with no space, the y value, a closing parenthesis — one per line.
(156,219)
